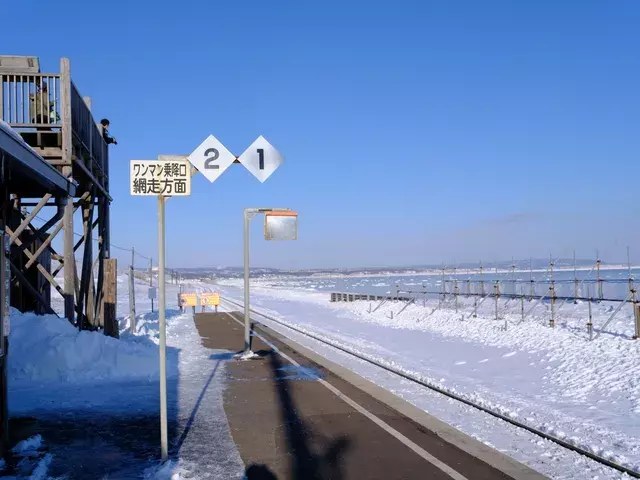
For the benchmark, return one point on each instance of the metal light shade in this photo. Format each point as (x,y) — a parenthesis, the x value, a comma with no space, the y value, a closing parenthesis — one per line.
(281,226)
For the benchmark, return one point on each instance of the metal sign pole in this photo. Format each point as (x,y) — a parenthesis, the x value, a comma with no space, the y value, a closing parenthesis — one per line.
(247,321)
(162,322)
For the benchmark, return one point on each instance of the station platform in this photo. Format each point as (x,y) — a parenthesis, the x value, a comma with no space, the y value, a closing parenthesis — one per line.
(296,415)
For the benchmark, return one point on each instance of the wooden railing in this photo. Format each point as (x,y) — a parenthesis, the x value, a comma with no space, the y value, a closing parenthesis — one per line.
(33,102)
(30,100)
(85,129)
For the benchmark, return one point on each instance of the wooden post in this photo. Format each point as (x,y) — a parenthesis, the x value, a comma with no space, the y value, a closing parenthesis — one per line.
(5,277)
(110,298)
(67,171)
(91,300)
(636,315)
(132,301)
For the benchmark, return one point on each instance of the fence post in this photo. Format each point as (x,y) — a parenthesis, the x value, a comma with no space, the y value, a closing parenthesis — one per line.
(532,290)
(497,295)
(589,322)
(636,308)
(455,293)
(552,289)
(522,302)
(600,290)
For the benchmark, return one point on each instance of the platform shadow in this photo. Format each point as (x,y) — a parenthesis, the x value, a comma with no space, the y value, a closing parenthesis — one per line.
(313,457)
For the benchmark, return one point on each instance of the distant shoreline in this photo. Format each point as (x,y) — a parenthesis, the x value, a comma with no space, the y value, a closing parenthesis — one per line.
(449,272)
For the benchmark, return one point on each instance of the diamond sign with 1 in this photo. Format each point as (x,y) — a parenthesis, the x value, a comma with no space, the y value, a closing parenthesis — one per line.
(211,158)
(261,159)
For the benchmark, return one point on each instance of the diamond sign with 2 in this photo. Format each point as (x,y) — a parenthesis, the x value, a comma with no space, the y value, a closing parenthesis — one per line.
(211,158)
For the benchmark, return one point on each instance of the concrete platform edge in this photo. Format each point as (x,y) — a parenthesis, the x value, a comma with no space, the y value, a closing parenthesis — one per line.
(464,442)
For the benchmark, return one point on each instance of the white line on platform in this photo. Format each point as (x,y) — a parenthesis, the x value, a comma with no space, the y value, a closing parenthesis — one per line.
(416,448)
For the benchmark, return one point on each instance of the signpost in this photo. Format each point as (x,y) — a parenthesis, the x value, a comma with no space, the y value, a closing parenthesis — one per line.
(209,298)
(279,224)
(161,178)
(188,300)
(170,176)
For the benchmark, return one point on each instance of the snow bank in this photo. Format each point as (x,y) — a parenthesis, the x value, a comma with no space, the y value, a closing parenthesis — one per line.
(45,348)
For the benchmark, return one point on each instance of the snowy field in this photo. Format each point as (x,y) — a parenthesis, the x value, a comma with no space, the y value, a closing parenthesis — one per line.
(557,380)
(95,399)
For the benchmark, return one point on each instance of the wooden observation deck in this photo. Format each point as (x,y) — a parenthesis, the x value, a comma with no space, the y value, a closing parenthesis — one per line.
(48,112)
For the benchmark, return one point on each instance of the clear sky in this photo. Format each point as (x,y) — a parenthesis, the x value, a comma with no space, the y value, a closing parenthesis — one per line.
(413,132)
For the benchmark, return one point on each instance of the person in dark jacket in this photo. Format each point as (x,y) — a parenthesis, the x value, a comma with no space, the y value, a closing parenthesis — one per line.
(105,132)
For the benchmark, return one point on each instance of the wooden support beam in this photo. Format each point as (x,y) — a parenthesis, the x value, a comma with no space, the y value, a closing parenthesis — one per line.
(44,245)
(42,231)
(32,290)
(87,261)
(30,217)
(93,179)
(40,268)
(67,172)
(102,256)
(110,298)
(91,297)
(55,255)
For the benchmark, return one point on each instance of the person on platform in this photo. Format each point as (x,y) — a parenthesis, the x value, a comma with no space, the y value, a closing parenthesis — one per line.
(105,132)
(39,103)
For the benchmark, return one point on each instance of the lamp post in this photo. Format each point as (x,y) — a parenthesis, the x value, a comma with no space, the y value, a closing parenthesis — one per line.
(279,224)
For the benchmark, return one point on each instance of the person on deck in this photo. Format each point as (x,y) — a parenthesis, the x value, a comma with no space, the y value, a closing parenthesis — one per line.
(105,132)
(39,103)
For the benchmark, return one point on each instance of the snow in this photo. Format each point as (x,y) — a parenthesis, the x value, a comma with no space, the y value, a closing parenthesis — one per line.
(29,445)
(96,398)
(587,393)
(49,349)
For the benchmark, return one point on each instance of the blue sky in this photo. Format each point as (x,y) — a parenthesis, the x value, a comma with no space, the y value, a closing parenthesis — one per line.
(413,132)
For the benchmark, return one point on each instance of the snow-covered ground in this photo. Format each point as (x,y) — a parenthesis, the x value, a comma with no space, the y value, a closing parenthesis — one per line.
(554,379)
(95,399)
(77,382)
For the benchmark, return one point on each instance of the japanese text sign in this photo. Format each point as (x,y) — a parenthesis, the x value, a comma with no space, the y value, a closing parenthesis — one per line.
(160,177)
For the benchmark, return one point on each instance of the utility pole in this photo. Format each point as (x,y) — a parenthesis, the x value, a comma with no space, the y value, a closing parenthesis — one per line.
(151,279)
(132,292)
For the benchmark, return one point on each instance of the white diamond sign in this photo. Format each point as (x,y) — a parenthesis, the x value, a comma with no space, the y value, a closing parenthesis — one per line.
(211,158)
(261,159)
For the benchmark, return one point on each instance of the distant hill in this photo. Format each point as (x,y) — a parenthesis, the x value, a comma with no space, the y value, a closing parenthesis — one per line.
(237,272)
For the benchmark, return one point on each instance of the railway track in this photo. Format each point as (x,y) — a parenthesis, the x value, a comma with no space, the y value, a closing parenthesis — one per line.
(436,388)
